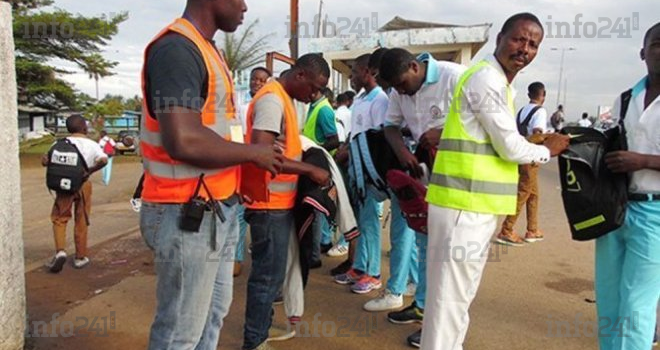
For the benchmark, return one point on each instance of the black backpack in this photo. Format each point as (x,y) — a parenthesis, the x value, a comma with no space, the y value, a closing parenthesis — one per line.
(522,126)
(67,169)
(594,197)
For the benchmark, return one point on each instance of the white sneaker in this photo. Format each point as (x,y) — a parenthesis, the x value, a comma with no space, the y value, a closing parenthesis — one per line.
(80,263)
(338,250)
(56,263)
(136,204)
(387,301)
(411,289)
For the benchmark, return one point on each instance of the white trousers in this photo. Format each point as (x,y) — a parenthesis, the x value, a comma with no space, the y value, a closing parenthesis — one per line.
(292,290)
(458,246)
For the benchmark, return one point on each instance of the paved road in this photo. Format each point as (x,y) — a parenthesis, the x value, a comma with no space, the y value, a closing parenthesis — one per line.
(111,212)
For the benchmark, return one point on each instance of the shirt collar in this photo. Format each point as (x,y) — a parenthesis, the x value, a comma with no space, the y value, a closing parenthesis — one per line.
(493,62)
(315,103)
(432,71)
(372,94)
(640,87)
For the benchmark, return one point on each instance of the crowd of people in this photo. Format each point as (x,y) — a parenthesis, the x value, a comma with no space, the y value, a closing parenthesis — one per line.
(213,168)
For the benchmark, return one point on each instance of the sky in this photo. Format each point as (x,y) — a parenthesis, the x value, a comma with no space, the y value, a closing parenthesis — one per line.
(605,60)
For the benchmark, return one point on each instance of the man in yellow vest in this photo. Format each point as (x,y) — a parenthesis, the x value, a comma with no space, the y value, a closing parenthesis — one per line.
(189,129)
(475,178)
(272,120)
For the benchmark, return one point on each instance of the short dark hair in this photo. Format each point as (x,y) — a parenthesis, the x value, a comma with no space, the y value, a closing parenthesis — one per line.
(313,63)
(560,107)
(263,69)
(343,98)
(75,123)
(350,94)
(395,62)
(647,35)
(534,89)
(328,94)
(362,60)
(585,115)
(376,58)
(526,16)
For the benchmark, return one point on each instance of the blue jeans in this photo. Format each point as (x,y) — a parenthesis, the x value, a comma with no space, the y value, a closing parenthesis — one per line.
(242,231)
(270,231)
(402,241)
(628,279)
(194,282)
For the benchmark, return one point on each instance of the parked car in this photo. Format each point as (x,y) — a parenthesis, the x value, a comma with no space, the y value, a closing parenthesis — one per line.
(127,141)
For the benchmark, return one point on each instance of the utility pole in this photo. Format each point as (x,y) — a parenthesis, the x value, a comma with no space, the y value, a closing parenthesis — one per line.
(293,31)
(561,68)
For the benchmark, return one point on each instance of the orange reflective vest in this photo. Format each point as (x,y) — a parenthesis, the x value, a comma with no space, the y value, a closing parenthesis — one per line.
(165,179)
(279,192)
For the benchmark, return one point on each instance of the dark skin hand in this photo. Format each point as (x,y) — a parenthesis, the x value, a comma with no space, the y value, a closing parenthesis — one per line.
(185,139)
(331,142)
(407,159)
(341,157)
(316,174)
(556,143)
(626,162)
(430,139)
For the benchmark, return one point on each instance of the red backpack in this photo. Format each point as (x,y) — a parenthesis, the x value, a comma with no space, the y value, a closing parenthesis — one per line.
(412,199)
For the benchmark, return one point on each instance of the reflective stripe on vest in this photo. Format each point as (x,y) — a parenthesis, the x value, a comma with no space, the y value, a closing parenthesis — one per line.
(281,189)
(468,174)
(168,180)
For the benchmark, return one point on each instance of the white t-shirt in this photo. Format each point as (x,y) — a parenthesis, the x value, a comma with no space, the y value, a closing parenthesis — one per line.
(584,123)
(538,121)
(89,149)
(486,115)
(368,111)
(343,115)
(643,135)
(428,108)
(105,139)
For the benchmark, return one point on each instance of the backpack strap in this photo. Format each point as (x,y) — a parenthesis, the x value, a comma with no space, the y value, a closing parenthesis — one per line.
(356,169)
(523,125)
(84,163)
(369,164)
(626,96)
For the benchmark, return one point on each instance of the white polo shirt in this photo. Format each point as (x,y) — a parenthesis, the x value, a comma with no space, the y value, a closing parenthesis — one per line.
(538,121)
(643,134)
(428,107)
(368,111)
(486,115)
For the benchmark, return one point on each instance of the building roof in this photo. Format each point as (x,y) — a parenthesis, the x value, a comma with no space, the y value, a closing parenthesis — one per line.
(399,23)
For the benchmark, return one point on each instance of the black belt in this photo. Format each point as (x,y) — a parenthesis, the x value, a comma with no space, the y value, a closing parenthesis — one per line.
(643,197)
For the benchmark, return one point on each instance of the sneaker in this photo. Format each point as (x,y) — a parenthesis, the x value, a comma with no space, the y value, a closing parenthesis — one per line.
(325,247)
(80,263)
(366,284)
(342,268)
(415,339)
(655,339)
(386,301)
(56,264)
(316,264)
(350,277)
(338,250)
(411,290)
(276,333)
(279,300)
(136,204)
(411,314)
(531,237)
(511,239)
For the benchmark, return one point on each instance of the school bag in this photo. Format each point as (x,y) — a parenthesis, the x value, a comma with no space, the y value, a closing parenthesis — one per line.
(67,169)
(594,197)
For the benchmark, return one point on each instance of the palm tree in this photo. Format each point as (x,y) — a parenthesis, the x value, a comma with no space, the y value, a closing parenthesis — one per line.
(97,67)
(242,50)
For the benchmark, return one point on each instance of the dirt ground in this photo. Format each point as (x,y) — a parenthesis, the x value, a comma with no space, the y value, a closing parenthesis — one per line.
(527,294)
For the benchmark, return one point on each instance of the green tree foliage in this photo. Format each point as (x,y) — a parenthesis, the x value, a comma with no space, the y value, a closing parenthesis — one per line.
(242,50)
(41,36)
